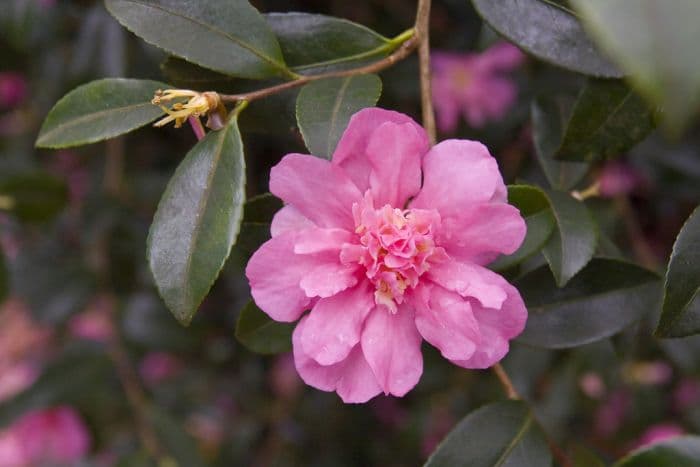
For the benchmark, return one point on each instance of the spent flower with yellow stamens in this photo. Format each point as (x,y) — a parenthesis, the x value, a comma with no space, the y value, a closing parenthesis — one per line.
(197,104)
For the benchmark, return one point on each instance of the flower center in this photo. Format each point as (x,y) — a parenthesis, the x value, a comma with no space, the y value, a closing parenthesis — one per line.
(395,246)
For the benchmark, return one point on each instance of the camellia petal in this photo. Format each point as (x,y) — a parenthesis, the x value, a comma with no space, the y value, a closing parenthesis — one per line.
(288,219)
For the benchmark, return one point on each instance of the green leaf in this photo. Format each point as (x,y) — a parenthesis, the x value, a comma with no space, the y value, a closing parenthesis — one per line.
(316,43)
(604,298)
(534,207)
(197,221)
(680,315)
(175,440)
(255,229)
(681,451)
(228,36)
(324,109)
(100,110)
(654,42)
(260,334)
(548,31)
(574,242)
(261,208)
(607,120)
(549,117)
(504,433)
(36,197)
(583,457)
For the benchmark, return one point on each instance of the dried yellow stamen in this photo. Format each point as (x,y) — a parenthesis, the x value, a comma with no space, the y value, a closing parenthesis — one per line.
(197,104)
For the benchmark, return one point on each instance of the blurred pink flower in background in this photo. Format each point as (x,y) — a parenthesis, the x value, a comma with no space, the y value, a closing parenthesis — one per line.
(54,436)
(611,414)
(69,166)
(95,323)
(157,367)
(618,178)
(686,394)
(23,348)
(438,425)
(387,245)
(592,385)
(13,89)
(657,433)
(648,373)
(284,379)
(473,85)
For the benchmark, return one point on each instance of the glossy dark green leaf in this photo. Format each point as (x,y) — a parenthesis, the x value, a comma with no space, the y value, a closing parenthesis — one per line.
(548,31)
(549,117)
(574,242)
(682,451)
(100,110)
(260,334)
(228,36)
(601,300)
(534,207)
(500,434)
(607,120)
(198,220)
(680,314)
(654,42)
(36,197)
(324,109)
(315,43)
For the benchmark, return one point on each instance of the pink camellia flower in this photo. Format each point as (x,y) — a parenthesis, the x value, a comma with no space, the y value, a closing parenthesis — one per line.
(55,436)
(13,89)
(657,433)
(386,245)
(473,85)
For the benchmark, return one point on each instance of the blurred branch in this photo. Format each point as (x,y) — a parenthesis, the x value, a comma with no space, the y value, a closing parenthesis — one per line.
(640,246)
(114,167)
(423,34)
(505,382)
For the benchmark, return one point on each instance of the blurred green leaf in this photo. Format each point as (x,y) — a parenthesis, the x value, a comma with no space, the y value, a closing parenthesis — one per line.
(229,36)
(680,314)
(260,334)
(682,451)
(197,221)
(607,120)
(36,197)
(324,109)
(534,207)
(316,43)
(575,240)
(601,300)
(582,457)
(548,31)
(100,110)
(176,442)
(504,433)
(549,117)
(654,43)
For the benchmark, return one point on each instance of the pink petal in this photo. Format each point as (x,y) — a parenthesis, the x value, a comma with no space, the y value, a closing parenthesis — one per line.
(319,190)
(489,98)
(287,219)
(316,240)
(274,273)
(470,280)
(334,325)
(326,280)
(446,321)
(391,344)
(352,377)
(483,231)
(457,174)
(501,57)
(395,152)
(497,327)
(351,153)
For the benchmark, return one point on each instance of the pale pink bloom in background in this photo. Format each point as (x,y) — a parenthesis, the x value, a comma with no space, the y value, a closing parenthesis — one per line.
(611,414)
(657,433)
(157,367)
(13,89)
(68,166)
(95,323)
(474,85)
(648,373)
(51,436)
(618,178)
(16,378)
(284,379)
(387,245)
(592,385)
(686,394)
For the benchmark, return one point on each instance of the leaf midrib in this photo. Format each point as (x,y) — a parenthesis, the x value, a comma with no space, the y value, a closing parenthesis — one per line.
(514,442)
(239,42)
(334,113)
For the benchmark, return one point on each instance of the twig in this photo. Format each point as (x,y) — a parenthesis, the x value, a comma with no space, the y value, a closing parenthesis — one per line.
(426,96)
(505,382)
(641,248)
(408,45)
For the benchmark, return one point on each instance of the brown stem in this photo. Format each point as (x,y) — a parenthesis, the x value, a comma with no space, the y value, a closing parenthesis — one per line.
(402,52)
(641,248)
(505,382)
(423,34)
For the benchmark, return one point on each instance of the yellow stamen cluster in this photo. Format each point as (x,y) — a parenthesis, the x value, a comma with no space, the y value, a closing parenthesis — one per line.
(197,104)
